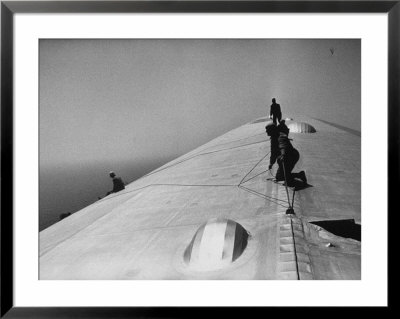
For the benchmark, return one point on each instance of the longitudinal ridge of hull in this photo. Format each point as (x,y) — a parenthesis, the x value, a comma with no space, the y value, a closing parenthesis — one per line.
(215,213)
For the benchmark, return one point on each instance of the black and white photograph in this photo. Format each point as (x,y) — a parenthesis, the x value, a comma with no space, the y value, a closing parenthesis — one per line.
(193,159)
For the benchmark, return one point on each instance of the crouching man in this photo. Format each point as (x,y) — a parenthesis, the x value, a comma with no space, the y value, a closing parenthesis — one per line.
(118,184)
(283,152)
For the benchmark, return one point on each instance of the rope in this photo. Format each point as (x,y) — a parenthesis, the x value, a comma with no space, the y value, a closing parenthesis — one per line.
(295,251)
(103,199)
(196,155)
(253,177)
(271,199)
(287,192)
(253,168)
(294,191)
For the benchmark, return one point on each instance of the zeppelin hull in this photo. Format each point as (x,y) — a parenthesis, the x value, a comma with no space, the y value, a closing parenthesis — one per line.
(215,213)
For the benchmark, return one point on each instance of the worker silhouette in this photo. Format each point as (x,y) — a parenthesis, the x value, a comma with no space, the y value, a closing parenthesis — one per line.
(283,152)
(275,112)
(118,184)
(273,132)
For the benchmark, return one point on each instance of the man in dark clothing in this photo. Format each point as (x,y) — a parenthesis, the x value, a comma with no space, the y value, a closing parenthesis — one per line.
(118,184)
(285,154)
(275,112)
(272,131)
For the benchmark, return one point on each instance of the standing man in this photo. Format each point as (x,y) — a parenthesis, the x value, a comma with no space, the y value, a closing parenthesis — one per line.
(118,184)
(275,112)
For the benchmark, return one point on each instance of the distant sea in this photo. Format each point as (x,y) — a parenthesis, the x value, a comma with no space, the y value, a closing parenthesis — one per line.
(69,188)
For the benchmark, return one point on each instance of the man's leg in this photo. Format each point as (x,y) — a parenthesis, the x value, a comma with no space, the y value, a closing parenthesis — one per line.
(288,171)
(279,116)
(279,173)
(292,160)
(301,175)
(274,118)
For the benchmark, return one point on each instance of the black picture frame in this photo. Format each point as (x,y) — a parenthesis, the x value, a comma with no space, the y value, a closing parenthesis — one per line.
(9,8)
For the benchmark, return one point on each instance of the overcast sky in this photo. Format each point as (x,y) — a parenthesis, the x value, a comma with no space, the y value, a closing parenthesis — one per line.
(136,100)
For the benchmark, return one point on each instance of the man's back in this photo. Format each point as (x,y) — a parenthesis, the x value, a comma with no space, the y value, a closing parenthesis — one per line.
(275,108)
(118,184)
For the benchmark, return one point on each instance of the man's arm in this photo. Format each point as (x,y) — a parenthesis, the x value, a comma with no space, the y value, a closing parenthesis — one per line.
(274,153)
(272,159)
